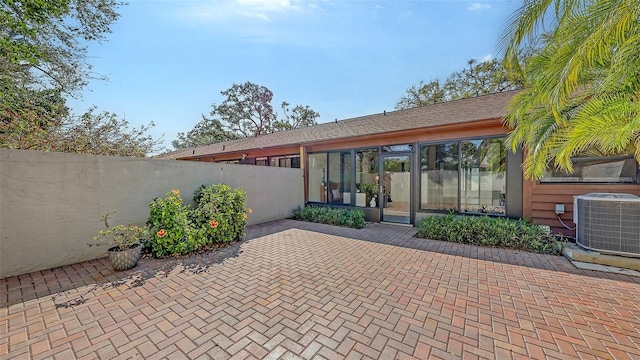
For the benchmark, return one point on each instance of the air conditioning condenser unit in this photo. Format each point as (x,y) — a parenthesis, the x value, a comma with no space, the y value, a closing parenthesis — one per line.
(608,223)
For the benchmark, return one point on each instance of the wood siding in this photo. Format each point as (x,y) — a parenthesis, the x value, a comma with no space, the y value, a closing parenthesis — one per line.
(539,201)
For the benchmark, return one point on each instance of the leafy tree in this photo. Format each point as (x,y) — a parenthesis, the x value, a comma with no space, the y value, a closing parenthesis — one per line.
(105,133)
(300,116)
(207,131)
(91,133)
(245,112)
(28,116)
(43,58)
(42,42)
(478,78)
(423,94)
(582,88)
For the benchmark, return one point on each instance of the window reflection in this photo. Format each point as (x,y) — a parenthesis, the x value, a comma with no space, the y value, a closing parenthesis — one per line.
(482,180)
(318,177)
(366,173)
(613,169)
(339,185)
(291,161)
(467,176)
(439,177)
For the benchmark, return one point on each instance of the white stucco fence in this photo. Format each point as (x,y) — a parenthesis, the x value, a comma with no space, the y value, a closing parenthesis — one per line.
(50,203)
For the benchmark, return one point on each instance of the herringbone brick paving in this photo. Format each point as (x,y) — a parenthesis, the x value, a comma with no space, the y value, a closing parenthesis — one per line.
(307,291)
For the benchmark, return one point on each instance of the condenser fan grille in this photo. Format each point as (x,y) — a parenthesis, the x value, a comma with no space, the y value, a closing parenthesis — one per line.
(608,224)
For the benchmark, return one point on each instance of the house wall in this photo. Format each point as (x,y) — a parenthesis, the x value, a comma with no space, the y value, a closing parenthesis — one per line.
(537,201)
(52,202)
(480,128)
(540,199)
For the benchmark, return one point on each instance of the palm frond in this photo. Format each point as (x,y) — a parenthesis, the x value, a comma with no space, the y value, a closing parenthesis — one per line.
(583,84)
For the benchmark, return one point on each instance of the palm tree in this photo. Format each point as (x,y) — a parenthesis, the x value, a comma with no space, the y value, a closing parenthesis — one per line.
(582,86)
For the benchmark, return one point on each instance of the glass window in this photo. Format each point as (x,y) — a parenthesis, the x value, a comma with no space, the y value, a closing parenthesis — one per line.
(439,177)
(318,177)
(614,169)
(366,176)
(291,161)
(397,148)
(468,176)
(237,161)
(339,185)
(482,176)
(263,161)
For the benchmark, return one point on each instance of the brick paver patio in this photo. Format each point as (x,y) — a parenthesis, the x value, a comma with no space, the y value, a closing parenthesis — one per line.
(300,290)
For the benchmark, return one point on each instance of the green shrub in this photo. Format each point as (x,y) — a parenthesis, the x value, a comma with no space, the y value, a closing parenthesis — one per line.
(326,215)
(171,228)
(220,216)
(490,231)
(220,213)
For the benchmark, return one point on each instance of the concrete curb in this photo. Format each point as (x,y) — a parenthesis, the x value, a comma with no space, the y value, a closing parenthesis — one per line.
(580,257)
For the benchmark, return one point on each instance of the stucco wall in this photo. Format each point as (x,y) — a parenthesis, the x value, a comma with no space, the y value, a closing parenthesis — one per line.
(50,203)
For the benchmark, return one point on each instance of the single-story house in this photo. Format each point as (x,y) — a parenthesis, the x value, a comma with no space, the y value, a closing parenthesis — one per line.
(399,166)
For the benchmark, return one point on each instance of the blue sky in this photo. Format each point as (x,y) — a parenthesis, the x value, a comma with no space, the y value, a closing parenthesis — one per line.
(167,61)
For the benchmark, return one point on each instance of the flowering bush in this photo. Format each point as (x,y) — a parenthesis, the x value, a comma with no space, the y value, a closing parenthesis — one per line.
(220,216)
(173,231)
(221,213)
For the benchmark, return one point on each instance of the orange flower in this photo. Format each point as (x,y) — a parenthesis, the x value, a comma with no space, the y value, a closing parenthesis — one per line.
(244,216)
(213,224)
(249,210)
(175,192)
(161,233)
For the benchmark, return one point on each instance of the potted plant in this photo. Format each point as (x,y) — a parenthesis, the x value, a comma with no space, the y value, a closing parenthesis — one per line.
(126,239)
(371,190)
